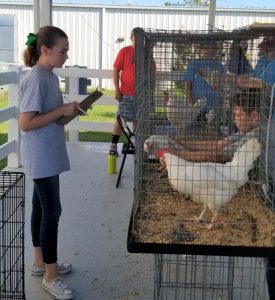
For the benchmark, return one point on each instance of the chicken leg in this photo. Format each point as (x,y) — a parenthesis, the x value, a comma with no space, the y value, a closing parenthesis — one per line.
(200,217)
(214,222)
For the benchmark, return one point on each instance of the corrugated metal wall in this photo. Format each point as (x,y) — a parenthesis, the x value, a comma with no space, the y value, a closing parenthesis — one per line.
(94,29)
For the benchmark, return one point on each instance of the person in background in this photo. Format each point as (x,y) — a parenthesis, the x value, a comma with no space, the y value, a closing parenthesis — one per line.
(124,83)
(44,150)
(246,109)
(202,79)
(262,59)
(238,63)
(267,74)
(196,77)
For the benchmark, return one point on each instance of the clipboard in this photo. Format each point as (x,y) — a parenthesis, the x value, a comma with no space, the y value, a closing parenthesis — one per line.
(84,104)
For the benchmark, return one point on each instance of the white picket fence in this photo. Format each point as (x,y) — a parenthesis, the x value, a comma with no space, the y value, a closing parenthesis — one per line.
(10,76)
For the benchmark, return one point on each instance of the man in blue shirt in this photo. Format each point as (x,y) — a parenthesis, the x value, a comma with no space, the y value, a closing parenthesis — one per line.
(238,63)
(197,76)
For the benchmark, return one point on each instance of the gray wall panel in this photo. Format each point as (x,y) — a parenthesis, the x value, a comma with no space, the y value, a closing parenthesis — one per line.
(94,29)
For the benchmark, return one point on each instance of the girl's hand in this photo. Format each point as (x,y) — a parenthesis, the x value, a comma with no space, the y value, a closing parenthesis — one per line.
(70,109)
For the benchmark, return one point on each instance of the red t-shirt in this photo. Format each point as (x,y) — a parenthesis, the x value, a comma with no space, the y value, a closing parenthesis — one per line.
(125,62)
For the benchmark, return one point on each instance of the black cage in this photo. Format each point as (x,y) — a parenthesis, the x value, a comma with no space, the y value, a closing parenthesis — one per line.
(162,218)
(12,204)
(209,277)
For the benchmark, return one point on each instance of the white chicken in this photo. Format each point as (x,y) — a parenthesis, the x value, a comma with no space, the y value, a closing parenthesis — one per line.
(180,115)
(212,184)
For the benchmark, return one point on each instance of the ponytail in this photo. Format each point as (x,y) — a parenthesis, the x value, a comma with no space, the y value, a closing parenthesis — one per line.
(30,56)
(47,36)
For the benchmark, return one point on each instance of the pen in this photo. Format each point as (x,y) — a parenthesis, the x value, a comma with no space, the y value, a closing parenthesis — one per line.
(80,109)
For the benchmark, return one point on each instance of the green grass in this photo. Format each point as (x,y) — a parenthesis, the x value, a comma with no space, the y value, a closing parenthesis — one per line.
(98,113)
(3,98)
(105,92)
(97,136)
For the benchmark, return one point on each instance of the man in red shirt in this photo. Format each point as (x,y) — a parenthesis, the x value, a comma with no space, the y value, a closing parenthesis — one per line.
(124,82)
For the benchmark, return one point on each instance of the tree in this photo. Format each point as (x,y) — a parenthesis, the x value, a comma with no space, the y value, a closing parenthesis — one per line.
(188,3)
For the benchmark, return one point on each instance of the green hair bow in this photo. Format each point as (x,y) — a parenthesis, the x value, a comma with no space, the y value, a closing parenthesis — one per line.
(31,40)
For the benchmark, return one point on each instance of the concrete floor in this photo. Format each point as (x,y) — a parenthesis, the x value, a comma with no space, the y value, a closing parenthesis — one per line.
(93,231)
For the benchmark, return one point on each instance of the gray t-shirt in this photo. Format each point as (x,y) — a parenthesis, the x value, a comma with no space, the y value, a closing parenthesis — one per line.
(237,139)
(44,150)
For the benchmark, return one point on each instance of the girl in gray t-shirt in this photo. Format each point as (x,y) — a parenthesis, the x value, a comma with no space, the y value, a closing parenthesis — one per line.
(44,150)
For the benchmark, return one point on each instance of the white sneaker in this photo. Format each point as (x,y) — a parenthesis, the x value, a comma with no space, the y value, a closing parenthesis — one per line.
(62,268)
(58,289)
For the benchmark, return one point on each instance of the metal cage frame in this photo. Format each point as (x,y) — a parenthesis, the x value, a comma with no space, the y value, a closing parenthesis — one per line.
(12,220)
(148,43)
(209,277)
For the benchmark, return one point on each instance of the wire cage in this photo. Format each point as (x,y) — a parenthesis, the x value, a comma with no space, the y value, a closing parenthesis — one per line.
(12,203)
(204,117)
(209,277)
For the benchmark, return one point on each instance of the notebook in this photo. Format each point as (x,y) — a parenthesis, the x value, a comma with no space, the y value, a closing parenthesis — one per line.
(84,104)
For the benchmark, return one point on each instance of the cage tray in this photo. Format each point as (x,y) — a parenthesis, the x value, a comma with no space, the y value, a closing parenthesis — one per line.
(165,248)
(163,222)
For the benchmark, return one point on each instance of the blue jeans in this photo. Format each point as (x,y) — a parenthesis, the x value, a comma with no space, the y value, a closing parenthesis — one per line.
(46,210)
